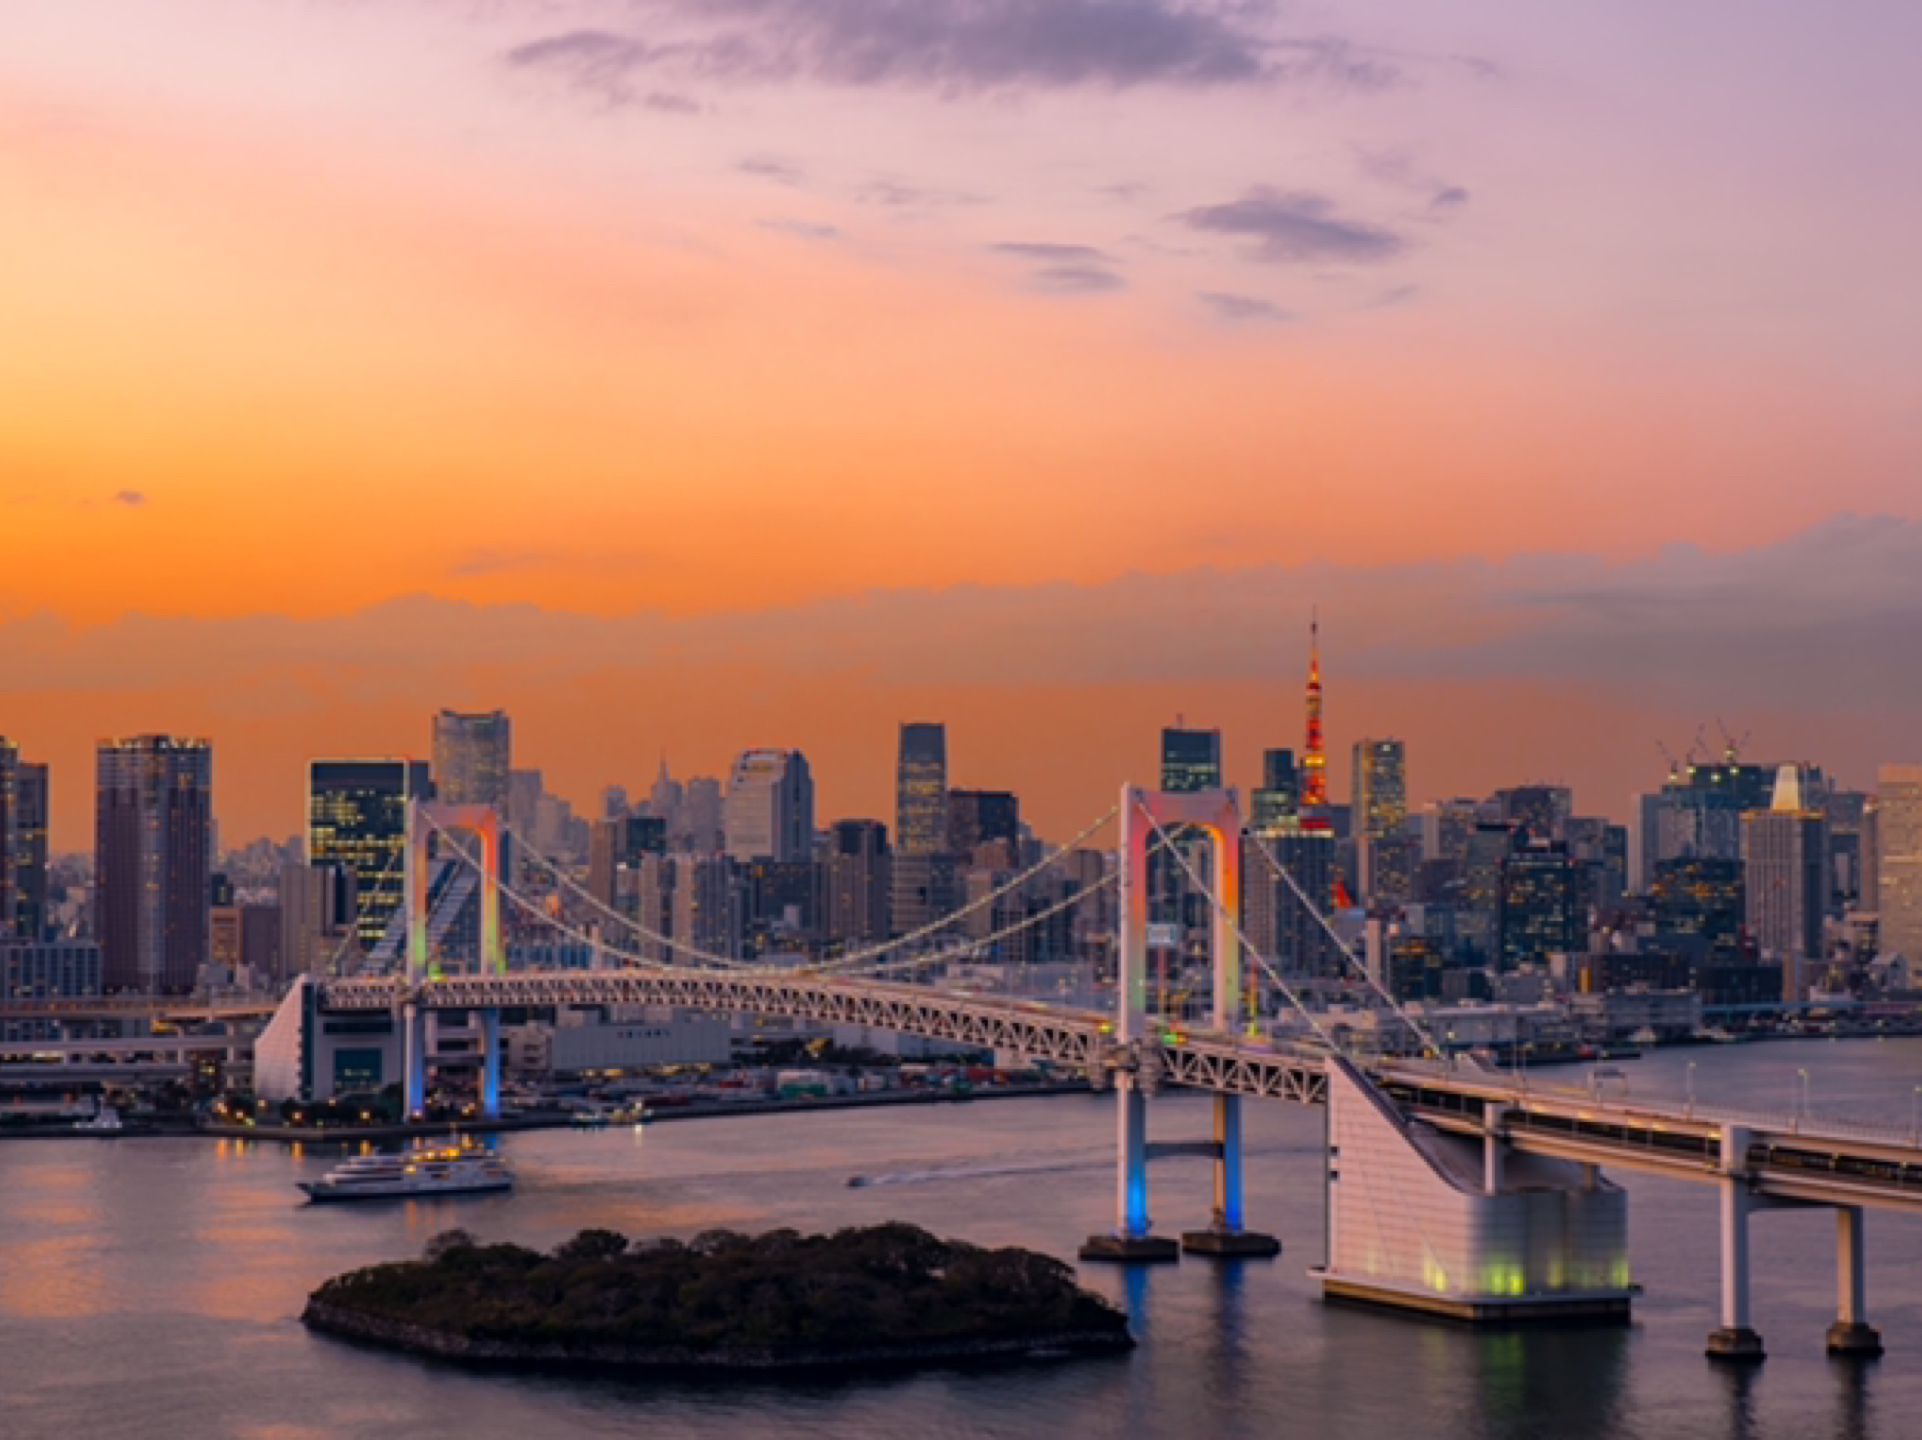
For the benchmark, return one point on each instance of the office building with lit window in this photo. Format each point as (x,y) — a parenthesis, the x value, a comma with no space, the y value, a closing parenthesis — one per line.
(1190,759)
(921,789)
(357,820)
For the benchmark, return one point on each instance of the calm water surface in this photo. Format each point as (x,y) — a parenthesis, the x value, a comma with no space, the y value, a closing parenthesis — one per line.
(151,1287)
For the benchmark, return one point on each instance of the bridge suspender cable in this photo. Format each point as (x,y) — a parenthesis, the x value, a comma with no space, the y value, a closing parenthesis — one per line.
(858,959)
(935,927)
(1401,1011)
(873,958)
(1234,926)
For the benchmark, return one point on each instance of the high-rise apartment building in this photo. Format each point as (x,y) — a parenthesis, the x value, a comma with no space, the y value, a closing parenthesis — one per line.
(153,860)
(1190,759)
(9,783)
(921,789)
(23,845)
(357,820)
(1898,844)
(473,755)
(31,800)
(860,882)
(769,811)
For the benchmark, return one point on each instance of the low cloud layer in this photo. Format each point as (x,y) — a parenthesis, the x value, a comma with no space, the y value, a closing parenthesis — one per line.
(1564,666)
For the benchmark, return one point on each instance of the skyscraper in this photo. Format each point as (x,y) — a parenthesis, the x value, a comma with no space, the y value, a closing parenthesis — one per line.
(357,820)
(921,789)
(1380,788)
(769,810)
(472,757)
(153,859)
(9,803)
(1385,853)
(1785,879)
(1190,759)
(1898,843)
(978,816)
(30,821)
(1278,798)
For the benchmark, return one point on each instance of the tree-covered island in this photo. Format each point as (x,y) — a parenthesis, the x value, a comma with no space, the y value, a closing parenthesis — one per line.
(884,1296)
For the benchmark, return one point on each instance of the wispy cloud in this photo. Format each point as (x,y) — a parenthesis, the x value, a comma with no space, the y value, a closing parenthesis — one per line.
(953,47)
(130,497)
(1294,227)
(772,167)
(1065,269)
(1240,309)
(494,562)
(802,229)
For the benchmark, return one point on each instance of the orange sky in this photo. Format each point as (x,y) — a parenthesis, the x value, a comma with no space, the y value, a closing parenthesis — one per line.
(303,309)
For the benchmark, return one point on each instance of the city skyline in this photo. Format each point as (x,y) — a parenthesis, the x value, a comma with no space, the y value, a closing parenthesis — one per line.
(1242,771)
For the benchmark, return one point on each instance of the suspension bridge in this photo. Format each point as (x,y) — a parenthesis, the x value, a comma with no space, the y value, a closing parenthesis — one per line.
(1452,1188)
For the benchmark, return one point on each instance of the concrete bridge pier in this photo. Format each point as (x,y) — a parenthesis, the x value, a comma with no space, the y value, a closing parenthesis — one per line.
(490,1075)
(413,1061)
(1225,1238)
(1851,1334)
(1735,1341)
(1133,1239)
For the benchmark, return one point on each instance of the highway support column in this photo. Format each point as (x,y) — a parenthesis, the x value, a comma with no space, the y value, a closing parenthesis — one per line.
(1735,1341)
(1851,1334)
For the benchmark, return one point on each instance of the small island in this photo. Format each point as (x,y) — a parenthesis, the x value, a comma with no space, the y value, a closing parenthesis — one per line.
(880,1297)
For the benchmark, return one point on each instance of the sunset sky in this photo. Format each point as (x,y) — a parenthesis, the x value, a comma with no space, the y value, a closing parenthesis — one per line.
(685,375)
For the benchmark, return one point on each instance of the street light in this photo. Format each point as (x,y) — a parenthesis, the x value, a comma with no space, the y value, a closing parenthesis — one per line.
(1802,1097)
(1691,1089)
(1915,1117)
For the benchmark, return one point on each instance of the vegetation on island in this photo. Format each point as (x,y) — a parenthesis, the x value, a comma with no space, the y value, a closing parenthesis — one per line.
(880,1294)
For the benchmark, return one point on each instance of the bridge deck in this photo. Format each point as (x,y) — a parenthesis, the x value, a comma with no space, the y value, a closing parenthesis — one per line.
(1820,1162)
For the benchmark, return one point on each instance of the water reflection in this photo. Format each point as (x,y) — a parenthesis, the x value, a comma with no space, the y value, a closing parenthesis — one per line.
(1565,1381)
(1854,1410)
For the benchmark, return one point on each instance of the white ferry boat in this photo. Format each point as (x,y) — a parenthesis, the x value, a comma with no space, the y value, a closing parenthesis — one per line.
(459,1169)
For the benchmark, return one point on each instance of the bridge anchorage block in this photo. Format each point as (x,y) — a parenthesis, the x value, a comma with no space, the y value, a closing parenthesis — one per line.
(1130,1249)
(1854,1341)
(1222,1244)
(1737,1345)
